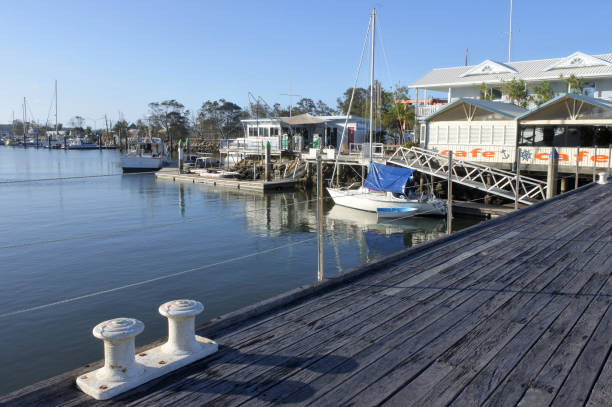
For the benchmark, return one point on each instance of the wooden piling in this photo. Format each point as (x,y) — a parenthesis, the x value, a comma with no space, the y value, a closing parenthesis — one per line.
(577,167)
(449,204)
(551,178)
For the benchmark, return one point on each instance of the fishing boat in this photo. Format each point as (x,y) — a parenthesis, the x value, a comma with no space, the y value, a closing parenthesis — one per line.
(388,191)
(149,154)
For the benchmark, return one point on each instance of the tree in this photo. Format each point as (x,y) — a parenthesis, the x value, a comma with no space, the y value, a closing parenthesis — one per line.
(574,84)
(517,92)
(542,93)
(218,118)
(77,124)
(171,117)
(397,119)
(485,92)
(304,105)
(322,109)
(360,102)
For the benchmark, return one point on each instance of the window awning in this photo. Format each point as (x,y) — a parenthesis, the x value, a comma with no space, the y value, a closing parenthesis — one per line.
(301,119)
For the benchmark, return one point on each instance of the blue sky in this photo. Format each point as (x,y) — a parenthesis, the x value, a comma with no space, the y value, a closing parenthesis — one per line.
(110,56)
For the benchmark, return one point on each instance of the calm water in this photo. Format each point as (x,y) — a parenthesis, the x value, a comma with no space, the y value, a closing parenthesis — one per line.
(62,239)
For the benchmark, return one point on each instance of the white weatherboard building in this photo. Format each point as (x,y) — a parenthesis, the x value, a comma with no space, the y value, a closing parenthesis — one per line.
(578,126)
(297,134)
(466,81)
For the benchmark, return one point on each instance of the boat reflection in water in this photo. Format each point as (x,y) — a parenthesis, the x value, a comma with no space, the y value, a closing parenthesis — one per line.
(381,237)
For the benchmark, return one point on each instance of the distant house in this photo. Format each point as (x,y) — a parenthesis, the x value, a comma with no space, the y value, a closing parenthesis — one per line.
(466,81)
(6,130)
(310,129)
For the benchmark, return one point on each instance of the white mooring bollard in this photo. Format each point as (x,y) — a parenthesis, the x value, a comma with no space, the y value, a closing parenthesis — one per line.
(181,326)
(118,335)
(603,178)
(123,370)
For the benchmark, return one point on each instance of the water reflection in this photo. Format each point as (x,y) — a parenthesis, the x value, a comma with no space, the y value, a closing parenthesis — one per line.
(380,238)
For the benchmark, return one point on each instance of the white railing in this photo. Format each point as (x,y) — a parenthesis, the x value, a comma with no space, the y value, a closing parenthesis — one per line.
(363,149)
(250,144)
(474,175)
(426,110)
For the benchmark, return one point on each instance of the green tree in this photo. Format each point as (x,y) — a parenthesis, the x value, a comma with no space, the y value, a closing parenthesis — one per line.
(542,92)
(517,92)
(171,117)
(574,84)
(218,119)
(360,102)
(485,92)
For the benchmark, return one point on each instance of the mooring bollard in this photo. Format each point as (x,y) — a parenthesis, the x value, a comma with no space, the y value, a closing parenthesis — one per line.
(118,335)
(181,326)
(603,178)
(123,370)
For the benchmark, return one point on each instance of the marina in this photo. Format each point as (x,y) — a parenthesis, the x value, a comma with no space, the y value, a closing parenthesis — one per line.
(514,310)
(221,215)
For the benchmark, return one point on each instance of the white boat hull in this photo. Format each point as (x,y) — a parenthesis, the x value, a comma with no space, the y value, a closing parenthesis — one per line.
(365,200)
(133,164)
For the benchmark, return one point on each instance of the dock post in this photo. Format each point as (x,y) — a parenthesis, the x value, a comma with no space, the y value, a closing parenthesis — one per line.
(609,157)
(319,219)
(487,198)
(577,167)
(563,186)
(449,204)
(421,183)
(551,178)
(268,170)
(180,156)
(518,178)
(594,158)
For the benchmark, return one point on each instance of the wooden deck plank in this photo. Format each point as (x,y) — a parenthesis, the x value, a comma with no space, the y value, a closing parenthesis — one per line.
(528,249)
(482,341)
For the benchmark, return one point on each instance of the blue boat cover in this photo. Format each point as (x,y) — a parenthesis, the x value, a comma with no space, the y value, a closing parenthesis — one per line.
(386,178)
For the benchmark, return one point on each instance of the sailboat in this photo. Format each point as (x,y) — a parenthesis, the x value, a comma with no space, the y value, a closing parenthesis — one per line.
(388,191)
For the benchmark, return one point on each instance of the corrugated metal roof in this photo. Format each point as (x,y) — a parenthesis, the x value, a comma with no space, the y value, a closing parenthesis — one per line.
(505,109)
(533,70)
(603,103)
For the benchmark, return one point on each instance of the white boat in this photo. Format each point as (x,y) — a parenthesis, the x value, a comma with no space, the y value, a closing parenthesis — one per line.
(384,192)
(149,155)
(80,143)
(216,173)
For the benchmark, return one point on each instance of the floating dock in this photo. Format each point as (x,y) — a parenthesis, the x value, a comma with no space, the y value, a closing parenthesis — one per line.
(171,174)
(513,311)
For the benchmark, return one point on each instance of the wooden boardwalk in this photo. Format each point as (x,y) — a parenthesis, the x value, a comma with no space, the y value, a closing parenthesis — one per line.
(515,311)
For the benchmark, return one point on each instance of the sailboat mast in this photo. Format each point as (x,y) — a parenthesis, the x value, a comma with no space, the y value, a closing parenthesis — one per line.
(372,82)
(56,135)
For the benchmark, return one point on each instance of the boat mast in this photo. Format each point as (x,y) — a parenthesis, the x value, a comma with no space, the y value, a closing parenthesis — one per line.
(56,135)
(510,34)
(372,82)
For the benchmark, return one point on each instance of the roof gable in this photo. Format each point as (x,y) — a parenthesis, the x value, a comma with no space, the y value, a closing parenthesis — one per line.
(488,67)
(578,60)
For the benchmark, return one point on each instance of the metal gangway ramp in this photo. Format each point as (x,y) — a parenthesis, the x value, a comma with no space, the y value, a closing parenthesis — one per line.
(502,183)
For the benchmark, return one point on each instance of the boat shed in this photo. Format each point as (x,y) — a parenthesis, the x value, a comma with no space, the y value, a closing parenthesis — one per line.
(478,130)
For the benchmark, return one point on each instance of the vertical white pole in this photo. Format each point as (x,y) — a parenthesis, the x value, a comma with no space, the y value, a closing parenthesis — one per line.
(372,81)
(510,35)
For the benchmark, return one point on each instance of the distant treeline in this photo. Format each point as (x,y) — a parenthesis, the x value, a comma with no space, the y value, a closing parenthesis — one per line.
(220,119)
